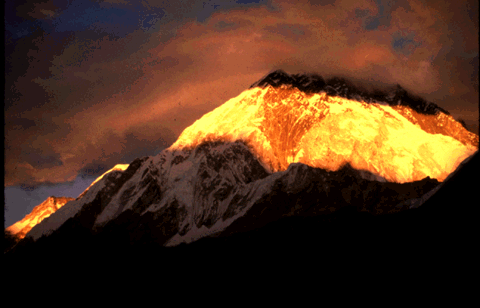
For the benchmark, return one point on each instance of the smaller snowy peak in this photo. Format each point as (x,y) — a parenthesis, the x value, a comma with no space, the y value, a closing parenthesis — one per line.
(104,188)
(39,213)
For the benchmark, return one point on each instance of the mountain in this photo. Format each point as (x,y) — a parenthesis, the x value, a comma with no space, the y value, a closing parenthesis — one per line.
(39,213)
(443,228)
(47,208)
(415,109)
(283,149)
(117,167)
(283,124)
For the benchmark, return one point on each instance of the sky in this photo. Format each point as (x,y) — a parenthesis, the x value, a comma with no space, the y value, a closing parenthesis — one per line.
(92,84)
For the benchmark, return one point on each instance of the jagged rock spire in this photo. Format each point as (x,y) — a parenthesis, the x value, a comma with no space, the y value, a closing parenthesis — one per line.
(275,78)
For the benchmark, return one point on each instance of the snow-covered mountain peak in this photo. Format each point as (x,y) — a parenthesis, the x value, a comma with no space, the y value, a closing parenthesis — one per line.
(268,153)
(39,213)
(284,125)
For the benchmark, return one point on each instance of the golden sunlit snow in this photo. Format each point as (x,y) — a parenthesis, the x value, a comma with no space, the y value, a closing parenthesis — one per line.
(119,167)
(48,207)
(285,125)
(39,213)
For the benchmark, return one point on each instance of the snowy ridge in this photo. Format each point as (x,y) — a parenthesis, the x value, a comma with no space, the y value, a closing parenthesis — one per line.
(203,177)
(251,192)
(53,222)
(117,167)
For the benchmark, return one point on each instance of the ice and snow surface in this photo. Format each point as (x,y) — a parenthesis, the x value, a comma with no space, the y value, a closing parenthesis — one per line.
(253,192)
(39,213)
(372,137)
(54,221)
(118,167)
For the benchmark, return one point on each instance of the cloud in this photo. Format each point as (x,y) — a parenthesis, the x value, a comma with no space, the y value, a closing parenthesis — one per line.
(405,44)
(33,10)
(290,31)
(79,102)
(38,159)
(93,170)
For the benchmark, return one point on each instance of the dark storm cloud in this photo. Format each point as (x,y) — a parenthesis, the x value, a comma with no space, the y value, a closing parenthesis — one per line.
(120,79)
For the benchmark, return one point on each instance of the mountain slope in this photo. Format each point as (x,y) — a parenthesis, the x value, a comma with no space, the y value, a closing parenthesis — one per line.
(441,229)
(39,213)
(269,153)
(53,204)
(48,207)
(418,240)
(117,167)
(415,109)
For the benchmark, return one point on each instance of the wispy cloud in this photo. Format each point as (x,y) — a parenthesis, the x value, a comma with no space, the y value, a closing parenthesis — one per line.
(95,84)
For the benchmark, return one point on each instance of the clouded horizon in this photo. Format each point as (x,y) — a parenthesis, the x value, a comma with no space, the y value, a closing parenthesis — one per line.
(91,84)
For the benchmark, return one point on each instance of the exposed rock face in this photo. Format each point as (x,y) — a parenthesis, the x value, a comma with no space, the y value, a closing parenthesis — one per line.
(273,152)
(305,191)
(39,213)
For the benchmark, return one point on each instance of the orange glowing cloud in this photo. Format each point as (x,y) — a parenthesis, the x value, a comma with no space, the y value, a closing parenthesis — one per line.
(153,85)
(367,53)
